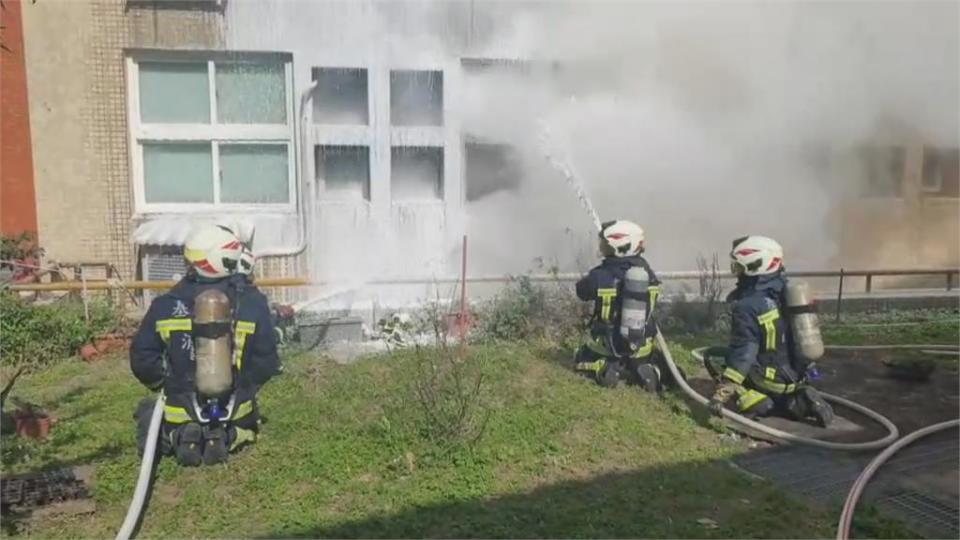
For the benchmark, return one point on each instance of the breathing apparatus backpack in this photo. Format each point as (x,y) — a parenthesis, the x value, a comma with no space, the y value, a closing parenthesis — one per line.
(214,351)
(806,343)
(634,313)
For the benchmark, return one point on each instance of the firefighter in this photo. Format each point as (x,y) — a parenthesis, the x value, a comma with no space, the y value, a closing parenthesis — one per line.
(163,356)
(760,368)
(620,345)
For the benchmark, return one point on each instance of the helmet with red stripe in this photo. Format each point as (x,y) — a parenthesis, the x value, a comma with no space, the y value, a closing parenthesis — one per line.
(214,251)
(621,238)
(756,256)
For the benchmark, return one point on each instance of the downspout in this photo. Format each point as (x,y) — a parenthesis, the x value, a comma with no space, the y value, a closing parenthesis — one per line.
(304,181)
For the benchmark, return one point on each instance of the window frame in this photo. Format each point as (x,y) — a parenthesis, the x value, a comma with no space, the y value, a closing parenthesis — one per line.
(213,133)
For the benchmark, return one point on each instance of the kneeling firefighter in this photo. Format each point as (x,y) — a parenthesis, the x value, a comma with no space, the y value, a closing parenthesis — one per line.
(624,290)
(775,339)
(209,344)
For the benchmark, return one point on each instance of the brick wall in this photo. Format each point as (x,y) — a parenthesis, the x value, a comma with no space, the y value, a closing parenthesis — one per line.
(78,101)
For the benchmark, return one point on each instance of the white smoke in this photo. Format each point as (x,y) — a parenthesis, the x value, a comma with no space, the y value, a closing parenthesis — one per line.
(703,121)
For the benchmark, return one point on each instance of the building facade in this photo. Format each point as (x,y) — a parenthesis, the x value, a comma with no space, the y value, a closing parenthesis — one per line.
(334,127)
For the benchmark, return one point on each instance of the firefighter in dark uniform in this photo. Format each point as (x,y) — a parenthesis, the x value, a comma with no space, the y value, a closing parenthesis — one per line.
(162,353)
(607,355)
(759,368)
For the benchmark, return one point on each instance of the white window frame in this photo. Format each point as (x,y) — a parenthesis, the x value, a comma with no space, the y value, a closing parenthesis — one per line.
(213,132)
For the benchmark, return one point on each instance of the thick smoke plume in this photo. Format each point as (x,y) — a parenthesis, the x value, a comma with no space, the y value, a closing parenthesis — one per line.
(701,121)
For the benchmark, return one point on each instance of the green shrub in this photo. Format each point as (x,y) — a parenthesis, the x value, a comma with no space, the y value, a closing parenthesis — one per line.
(682,316)
(445,401)
(525,310)
(37,335)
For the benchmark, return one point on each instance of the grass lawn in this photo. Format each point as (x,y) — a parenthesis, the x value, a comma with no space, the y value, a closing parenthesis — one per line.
(341,456)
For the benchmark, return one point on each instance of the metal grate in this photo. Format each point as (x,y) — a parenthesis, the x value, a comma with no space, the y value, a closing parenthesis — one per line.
(162,266)
(924,514)
(827,477)
(815,473)
(38,489)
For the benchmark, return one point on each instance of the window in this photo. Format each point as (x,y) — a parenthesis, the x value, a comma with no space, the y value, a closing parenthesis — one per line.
(884,168)
(416,98)
(489,168)
(940,169)
(341,96)
(343,172)
(416,173)
(211,133)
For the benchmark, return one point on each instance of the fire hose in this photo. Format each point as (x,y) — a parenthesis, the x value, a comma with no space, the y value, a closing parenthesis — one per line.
(146,472)
(780,435)
(887,443)
(846,517)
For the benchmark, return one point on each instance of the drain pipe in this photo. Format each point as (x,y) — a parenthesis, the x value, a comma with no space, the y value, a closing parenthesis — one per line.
(783,436)
(146,471)
(303,183)
(846,517)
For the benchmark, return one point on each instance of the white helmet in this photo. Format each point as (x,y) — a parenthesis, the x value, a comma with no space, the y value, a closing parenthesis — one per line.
(244,231)
(213,251)
(756,256)
(247,259)
(621,238)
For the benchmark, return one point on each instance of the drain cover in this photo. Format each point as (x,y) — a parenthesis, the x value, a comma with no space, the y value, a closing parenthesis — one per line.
(38,489)
(925,514)
(900,485)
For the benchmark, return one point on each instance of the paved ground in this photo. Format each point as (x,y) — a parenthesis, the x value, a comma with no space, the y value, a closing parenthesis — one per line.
(919,485)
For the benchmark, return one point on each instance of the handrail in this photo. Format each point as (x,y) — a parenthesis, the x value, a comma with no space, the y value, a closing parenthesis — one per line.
(565,277)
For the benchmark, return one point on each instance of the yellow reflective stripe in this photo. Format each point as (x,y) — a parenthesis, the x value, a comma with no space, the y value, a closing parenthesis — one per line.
(749,399)
(769,316)
(165,326)
(606,296)
(595,366)
(175,325)
(645,350)
(769,328)
(776,388)
(175,415)
(771,373)
(246,326)
(733,375)
(243,436)
(244,409)
(654,295)
(240,333)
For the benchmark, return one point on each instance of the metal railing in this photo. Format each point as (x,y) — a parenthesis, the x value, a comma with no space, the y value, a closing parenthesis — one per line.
(686,275)
(842,274)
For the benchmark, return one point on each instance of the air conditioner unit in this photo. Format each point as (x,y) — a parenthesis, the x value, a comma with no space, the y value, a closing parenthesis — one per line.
(162,265)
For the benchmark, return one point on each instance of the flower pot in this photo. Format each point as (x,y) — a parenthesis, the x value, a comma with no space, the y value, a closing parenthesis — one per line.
(35,425)
(111,343)
(89,353)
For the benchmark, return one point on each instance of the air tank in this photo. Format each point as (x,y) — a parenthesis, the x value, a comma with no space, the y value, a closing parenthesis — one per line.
(633,308)
(213,344)
(807,340)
